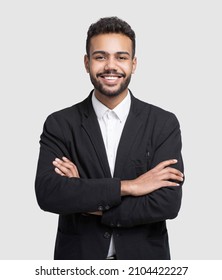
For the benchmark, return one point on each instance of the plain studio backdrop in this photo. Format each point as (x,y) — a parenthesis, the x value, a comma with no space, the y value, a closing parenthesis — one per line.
(179,69)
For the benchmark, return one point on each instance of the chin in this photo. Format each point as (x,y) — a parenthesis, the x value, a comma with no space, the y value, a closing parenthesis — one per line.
(111,93)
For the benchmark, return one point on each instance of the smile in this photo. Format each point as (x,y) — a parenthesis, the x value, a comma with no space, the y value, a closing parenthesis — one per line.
(109,79)
(111,76)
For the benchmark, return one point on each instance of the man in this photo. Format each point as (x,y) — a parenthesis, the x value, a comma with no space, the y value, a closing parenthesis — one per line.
(111,166)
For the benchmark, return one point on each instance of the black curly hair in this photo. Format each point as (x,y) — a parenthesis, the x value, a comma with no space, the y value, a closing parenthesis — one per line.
(110,25)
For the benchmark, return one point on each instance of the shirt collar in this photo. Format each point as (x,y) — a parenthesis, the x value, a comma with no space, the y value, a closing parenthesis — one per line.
(121,110)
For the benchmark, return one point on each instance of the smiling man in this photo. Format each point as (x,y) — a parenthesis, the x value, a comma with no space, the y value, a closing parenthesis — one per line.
(111,166)
(110,63)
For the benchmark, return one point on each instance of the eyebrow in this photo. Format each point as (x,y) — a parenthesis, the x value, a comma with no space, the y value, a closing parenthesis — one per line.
(105,53)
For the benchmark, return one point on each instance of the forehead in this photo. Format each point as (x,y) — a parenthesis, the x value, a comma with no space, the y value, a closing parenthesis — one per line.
(111,43)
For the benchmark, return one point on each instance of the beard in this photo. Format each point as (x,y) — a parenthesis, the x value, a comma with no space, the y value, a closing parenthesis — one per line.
(108,91)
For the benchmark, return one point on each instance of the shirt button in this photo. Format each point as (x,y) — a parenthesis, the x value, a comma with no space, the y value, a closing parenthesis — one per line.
(106,235)
(107,207)
(100,208)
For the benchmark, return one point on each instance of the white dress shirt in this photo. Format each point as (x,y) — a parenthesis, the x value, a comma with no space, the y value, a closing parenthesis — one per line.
(111,124)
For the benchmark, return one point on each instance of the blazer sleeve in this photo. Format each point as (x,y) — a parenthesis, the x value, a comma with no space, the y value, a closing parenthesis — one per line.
(163,203)
(64,195)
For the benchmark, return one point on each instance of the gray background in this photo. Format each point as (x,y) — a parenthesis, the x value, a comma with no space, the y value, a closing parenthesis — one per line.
(179,68)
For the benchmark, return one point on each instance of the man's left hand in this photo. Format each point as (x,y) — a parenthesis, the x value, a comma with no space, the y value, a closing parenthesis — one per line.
(66,167)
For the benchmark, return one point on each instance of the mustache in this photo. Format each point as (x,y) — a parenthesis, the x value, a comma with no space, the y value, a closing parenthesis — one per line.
(115,73)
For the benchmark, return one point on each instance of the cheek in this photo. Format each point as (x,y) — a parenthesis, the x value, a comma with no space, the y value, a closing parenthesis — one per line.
(127,67)
(94,69)
(128,70)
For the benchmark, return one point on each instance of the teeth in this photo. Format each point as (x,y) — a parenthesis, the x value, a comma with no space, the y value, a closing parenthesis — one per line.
(111,78)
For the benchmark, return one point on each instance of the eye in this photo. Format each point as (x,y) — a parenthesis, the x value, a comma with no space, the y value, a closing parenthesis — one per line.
(100,57)
(122,57)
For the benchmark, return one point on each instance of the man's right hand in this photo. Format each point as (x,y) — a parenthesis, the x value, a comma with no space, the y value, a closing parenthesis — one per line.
(160,176)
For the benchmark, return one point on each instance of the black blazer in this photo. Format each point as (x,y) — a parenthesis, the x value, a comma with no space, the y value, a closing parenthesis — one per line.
(150,135)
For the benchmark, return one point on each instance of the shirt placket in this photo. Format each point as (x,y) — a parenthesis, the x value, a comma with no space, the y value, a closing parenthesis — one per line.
(110,143)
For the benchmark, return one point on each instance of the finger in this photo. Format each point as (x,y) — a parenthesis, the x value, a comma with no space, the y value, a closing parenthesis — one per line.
(170,184)
(76,170)
(70,162)
(166,183)
(170,173)
(65,165)
(165,163)
(60,168)
(171,176)
(58,171)
(172,170)
(68,165)
(68,171)
(68,168)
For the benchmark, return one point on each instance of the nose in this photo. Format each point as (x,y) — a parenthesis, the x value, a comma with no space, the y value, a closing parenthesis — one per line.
(110,64)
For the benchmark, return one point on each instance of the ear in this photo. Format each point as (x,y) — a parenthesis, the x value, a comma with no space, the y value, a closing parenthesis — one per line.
(134,65)
(86,62)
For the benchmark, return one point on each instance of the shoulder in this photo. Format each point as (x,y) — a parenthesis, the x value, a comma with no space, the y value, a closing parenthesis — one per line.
(158,122)
(71,114)
(153,112)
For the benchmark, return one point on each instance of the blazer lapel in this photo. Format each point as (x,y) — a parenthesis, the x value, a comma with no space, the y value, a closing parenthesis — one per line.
(91,126)
(132,126)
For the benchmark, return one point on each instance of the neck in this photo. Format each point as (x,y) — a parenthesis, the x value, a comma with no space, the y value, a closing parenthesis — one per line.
(111,101)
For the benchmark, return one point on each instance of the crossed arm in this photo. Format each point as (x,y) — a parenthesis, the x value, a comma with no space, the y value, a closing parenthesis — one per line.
(162,175)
